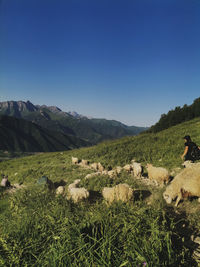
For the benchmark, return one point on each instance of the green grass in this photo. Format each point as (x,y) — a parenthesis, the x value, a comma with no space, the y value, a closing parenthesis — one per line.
(39,229)
(64,234)
(163,148)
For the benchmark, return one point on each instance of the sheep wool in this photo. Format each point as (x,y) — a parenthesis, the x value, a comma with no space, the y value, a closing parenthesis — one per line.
(112,173)
(84,162)
(119,192)
(78,194)
(119,169)
(60,190)
(4,182)
(94,166)
(128,167)
(186,183)
(137,169)
(75,160)
(100,167)
(74,184)
(159,174)
(91,175)
(189,163)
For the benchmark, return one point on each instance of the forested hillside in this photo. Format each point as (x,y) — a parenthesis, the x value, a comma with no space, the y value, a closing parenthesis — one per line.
(176,116)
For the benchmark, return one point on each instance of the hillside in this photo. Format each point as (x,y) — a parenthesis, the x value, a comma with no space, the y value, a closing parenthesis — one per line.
(40,229)
(162,149)
(176,116)
(53,118)
(21,135)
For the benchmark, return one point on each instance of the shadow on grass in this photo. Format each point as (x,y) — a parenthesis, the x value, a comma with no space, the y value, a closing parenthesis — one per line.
(140,195)
(60,183)
(181,236)
(94,196)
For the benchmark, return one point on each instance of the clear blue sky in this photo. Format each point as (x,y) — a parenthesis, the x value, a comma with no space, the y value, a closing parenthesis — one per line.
(129,60)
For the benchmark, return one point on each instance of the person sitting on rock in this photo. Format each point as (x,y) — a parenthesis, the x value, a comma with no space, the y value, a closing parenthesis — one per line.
(192,151)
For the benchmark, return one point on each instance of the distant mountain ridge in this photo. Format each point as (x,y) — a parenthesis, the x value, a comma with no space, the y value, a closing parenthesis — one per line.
(53,118)
(13,108)
(17,107)
(77,115)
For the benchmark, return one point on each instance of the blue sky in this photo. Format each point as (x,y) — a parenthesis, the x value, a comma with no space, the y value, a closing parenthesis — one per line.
(129,60)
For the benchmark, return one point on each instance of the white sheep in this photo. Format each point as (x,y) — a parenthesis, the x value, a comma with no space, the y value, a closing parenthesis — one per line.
(175,171)
(119,192)
(84,163)
(94,166)
(75,160)
(159,174)
(118,169)
(60,190)
(15,187)
(100,167)
(128,167)
(112,173)
(78,194)
(189,163)
(74,184)
(137,169)
(185,184)
(91,175)
(105,172)
(5,182)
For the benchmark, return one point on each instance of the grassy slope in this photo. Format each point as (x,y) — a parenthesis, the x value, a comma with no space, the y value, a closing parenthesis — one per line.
(163,148)
(48,231)
(21,135)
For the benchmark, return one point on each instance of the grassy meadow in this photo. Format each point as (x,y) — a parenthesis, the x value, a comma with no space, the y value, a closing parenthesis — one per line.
(37,228)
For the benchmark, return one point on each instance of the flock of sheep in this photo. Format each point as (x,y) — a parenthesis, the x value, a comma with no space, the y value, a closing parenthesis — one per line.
(185,184)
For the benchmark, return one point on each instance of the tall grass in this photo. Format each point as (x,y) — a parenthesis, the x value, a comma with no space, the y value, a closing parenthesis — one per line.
(45,230)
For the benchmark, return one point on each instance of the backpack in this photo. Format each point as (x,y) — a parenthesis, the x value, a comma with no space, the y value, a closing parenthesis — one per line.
(195,152)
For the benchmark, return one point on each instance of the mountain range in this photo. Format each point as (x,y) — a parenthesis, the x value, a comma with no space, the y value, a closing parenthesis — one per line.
(78,129)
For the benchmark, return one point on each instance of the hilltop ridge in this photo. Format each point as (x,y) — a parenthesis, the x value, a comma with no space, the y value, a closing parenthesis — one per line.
(176,116)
